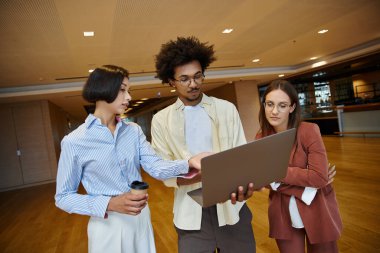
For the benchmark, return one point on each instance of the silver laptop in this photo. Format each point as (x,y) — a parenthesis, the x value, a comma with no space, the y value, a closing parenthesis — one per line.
(262,161)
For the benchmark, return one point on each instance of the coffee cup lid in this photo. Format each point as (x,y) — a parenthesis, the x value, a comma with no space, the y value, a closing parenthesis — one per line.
(137,185)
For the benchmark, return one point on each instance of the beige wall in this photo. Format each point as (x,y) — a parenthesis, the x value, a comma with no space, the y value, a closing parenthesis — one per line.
(245,95)
(30,153)
(58,128)
(226,92)
(248,104)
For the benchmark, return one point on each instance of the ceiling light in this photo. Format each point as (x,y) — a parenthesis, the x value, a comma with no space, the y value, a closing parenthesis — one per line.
(256,60)
(227,30)
(172,91)
(90,70)
(313,58)
(144,99)
(88,34)
(135,105)
(323,31)
(318,64)
(281,75)
(139,102)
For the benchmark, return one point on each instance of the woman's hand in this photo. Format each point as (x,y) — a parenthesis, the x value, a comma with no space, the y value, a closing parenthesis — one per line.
(128,203)
(195,161)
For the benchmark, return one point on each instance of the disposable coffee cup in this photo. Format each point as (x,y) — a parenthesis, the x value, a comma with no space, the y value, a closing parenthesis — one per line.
(138,187)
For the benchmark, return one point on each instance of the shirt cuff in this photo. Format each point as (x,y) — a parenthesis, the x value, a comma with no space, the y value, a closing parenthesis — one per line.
(100,206)
(308,195)
(183,167)
(275,186)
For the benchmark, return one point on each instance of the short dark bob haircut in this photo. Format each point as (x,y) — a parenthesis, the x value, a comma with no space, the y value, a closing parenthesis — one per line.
(180,52)
(294,118)
(104,83)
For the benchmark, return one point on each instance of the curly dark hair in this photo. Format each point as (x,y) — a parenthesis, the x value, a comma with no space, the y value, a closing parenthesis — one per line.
(180,52)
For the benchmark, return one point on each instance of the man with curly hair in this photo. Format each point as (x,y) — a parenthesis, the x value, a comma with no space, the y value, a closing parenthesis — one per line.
(196,123)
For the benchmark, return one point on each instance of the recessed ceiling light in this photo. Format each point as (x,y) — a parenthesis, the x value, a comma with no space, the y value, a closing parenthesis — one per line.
(281,75)
(139,102)
(256,60)
(313,58)
(323,31)
(228,30)
(88,34)
(90,70)
(172,91)
(144,99)
(318,64)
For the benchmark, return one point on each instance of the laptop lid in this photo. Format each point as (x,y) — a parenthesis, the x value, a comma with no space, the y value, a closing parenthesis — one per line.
(262,161)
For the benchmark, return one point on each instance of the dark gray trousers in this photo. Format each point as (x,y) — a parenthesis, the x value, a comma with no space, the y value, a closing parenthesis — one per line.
(227,239)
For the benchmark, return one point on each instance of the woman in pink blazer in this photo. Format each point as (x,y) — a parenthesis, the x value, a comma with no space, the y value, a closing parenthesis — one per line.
(303,205)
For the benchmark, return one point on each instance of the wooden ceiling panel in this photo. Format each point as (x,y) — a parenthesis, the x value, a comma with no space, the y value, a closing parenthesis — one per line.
(42,42)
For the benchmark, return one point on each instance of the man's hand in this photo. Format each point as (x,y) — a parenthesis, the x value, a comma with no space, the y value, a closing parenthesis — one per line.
(195,161)
(128,203)
(240,196)
(332,173)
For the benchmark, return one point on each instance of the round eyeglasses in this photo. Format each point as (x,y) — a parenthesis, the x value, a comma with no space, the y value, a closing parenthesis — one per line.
(186,80)
(281,107)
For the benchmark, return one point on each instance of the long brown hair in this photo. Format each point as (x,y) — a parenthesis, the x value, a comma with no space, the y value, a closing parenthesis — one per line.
(294,118)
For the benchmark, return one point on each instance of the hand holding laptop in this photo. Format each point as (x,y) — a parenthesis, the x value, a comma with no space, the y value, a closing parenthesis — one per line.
(194,174)
(252,162)
(241,195)
(195,161)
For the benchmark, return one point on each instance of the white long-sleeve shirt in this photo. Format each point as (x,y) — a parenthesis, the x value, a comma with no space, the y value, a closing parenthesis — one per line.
(169,140)
(307,197)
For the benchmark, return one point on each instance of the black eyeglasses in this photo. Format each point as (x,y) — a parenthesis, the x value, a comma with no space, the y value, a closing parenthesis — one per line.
(186,80)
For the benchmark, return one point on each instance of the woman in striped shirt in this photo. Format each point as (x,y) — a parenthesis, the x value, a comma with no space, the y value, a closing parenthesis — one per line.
(106,156)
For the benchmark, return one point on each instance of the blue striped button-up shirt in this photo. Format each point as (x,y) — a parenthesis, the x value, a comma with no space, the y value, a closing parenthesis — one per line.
(106,164)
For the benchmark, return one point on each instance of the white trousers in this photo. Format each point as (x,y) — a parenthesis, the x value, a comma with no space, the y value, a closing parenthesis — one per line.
(121,233)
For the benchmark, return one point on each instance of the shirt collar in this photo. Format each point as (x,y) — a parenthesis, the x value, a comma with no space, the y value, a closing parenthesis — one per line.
(91,120)
(206,100)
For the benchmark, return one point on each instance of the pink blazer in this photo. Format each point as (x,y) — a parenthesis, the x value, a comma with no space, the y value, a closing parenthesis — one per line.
(308,166)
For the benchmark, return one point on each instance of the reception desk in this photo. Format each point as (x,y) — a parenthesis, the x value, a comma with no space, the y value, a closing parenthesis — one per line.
(359,120)
(353,120)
